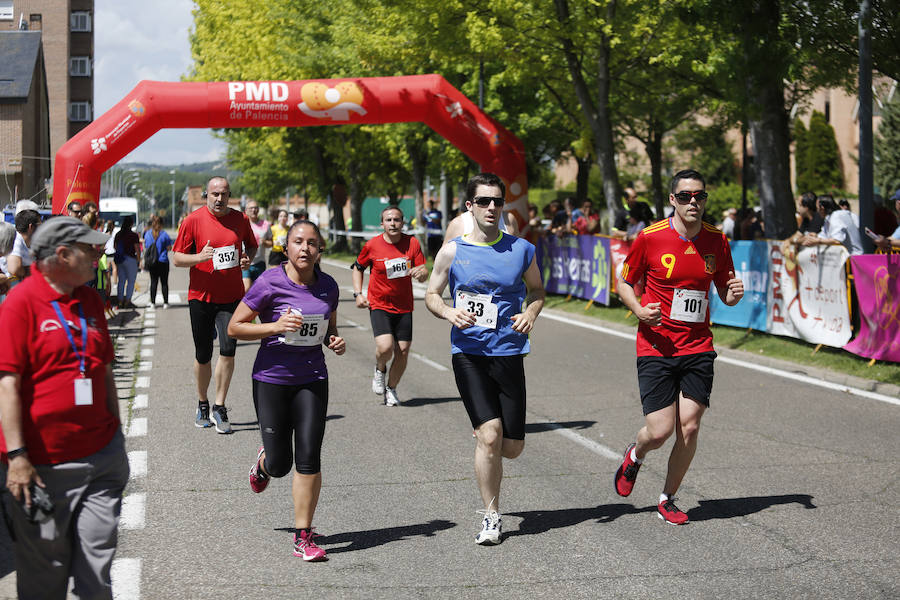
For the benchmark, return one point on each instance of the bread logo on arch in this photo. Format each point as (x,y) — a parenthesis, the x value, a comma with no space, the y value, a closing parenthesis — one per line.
(335,103)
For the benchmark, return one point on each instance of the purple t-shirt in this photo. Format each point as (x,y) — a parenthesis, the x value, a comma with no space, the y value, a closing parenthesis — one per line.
(279,360)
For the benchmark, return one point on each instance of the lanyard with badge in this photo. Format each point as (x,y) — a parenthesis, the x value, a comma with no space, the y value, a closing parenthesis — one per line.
(84,395)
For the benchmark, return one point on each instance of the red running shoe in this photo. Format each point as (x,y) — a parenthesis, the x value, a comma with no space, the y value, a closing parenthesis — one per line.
(258,479)
(670,513)
(305,547)
(626,474)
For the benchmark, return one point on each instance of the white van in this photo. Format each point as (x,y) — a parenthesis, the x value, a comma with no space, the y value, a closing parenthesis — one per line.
(114,209)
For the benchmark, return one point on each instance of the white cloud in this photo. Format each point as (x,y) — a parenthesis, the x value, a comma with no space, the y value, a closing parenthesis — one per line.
(136,40)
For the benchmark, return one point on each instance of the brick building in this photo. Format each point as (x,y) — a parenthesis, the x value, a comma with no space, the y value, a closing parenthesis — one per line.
(24,123)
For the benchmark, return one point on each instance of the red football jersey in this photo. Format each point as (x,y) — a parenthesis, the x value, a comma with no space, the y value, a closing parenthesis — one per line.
(677,273)
(226,234)
(55,427)
(392,293)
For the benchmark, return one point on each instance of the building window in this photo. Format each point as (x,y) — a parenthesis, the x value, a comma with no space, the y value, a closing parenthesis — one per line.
(80,66)
(6,10)
(81,21)
(79,111)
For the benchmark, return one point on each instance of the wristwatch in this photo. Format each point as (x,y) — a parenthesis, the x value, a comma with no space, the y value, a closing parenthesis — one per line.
(17,452)
(355,294)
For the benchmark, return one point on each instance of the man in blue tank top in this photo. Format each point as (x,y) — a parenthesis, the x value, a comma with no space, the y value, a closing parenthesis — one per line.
(496,294)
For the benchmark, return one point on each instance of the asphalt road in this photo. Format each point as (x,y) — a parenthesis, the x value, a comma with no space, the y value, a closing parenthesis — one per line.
(789,495)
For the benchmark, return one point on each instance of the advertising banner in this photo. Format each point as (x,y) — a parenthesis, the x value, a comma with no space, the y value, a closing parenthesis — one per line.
(807,298)
(877,280)
(618,251)
(751,266)
(576,265)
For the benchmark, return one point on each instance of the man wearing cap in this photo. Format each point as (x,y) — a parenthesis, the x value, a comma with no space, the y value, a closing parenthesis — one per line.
(216,242)
(62,449)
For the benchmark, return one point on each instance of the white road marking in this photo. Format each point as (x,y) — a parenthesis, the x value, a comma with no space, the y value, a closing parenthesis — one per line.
(145,365)
(596,448)
(126,578)
(740,363)
(137,462)
(355,324)
(138,427)
(146,352)
(148,341)
(133,511)
(140,401)
(142,382)
(428,361)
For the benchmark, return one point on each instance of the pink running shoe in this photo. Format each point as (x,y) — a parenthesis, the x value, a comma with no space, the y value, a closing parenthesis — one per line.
(305,546)
(258,479)
(626,473)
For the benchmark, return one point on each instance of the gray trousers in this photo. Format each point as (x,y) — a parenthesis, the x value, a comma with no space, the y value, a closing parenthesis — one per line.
(79,541)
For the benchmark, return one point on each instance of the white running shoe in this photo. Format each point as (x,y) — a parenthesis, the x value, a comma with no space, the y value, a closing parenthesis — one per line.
(390,397)
(378,382)
(491,528)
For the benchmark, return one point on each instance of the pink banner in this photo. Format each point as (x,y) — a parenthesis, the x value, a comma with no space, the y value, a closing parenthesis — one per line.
(877,278)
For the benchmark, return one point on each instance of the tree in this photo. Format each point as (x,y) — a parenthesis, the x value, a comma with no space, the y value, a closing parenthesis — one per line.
(887,149)
(818,160)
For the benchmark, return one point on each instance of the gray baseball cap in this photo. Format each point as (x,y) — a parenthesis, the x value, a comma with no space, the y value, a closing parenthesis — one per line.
(62,231)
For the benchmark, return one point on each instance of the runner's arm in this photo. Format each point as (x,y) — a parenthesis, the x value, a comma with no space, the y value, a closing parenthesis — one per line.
(333,341)
(358,280)
(182,259)
(241,325)
(440,276)
(523,322)
(649,315)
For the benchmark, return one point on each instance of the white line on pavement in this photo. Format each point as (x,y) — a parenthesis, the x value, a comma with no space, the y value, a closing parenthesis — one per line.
(137,428)
(133,510)
(137,463)
(126,578)
(145,365)
(142,382)
(148,341)
(355,324)
(428,361)
(146,352)
(740,363)
(140,401)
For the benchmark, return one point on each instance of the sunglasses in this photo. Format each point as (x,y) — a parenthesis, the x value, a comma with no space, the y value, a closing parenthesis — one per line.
(485,201)
(685,197)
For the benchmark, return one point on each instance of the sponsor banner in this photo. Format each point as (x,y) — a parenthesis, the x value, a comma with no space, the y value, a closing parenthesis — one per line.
(576,265)
(877,280)
(807,297)
(751,265)
(618,252)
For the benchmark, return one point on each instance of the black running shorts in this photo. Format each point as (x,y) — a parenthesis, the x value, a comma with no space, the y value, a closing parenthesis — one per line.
(493,387)
(661,378)
(207,320)
(398,325)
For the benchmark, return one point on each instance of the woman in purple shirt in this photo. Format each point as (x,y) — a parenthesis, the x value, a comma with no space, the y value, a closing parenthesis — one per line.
(296,304)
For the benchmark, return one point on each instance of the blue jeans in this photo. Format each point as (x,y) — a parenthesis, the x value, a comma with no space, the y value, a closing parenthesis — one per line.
(128,269)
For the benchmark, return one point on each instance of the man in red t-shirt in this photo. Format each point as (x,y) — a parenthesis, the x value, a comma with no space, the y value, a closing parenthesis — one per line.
(216,242)
(678,259)
(395,258)
(62,445)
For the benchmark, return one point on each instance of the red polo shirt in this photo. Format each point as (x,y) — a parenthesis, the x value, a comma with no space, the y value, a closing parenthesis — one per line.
(219,286)
(36,347)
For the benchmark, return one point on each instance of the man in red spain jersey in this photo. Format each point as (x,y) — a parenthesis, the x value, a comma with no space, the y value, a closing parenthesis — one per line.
(395,259)
(677,258)
(216,242)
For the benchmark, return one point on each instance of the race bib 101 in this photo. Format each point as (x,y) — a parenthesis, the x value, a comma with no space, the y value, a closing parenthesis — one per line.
(225,257)
(689,306)
(481,305)
(396,267)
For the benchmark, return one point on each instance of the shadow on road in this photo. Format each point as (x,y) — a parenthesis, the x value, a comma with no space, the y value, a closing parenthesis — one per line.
(541,521)
(729,508)
(541,427)
(363,540)
(426,401)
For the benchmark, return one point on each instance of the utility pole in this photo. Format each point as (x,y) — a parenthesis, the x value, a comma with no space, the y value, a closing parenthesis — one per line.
(866,209)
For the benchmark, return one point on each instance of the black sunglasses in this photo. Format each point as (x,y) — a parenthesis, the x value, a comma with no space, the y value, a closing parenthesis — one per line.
(485,201)
(685,197)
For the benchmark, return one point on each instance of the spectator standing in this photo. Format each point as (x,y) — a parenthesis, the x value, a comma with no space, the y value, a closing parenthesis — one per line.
(844,204)
(275,239)
(434,235)
(838,228)
(17,264)
(893,240)
(60,420)
(7,240)
(158,238)
(74,209)
(588,221)
(728,222)
(127,257)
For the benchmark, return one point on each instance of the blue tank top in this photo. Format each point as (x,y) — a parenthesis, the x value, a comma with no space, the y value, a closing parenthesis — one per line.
(495,269)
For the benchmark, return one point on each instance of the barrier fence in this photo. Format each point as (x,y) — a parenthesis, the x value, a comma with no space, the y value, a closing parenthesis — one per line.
(803,293)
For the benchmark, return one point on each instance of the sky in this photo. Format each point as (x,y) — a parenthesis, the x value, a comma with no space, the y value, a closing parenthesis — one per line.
(136,40)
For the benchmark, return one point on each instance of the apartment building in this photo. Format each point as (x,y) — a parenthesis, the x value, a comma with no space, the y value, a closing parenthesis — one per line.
(67,30)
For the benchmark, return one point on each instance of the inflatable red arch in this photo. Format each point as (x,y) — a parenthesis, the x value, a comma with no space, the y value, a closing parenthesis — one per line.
(154,105)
